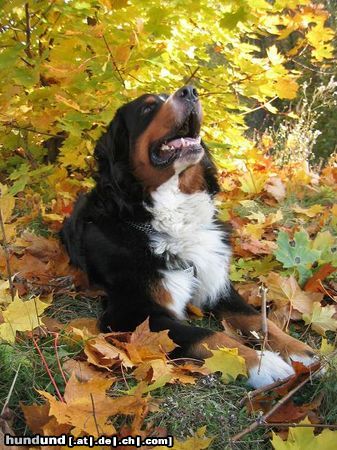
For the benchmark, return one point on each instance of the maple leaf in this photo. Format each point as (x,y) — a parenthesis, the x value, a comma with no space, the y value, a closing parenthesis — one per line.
(153,370)
(304,438)
(286,290)
(145,344)
(87,408)
(309,212)
(103,354)
(228,362)
(253,183)
(321,318)
(296,253)
(21,316)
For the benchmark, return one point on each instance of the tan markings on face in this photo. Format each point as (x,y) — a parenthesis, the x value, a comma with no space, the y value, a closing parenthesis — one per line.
(192,179)
(160,294)
(150,100)
(218,340)
(162,124)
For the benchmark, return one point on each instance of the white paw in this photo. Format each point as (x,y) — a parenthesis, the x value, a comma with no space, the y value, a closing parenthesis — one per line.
(271,368)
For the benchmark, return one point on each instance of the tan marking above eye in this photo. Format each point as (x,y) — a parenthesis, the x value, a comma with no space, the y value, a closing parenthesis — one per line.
(150,100)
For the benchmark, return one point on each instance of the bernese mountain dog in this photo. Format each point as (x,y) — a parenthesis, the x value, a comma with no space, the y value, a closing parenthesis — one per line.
(148,233)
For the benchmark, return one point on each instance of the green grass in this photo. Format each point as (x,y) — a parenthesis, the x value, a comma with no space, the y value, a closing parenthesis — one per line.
(183,408)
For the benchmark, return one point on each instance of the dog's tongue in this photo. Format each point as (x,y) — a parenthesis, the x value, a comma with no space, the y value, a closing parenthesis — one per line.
(182,142)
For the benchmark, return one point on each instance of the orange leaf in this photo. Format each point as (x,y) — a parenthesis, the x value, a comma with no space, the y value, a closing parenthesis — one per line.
(314,284)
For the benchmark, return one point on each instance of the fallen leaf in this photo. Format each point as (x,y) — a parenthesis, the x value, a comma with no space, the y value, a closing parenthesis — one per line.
(304,438)
(21,316)
(103,354)
(228,362)
(314,284)
(145,344)
(321,318)
(85,371)
(309,212)
(87,408)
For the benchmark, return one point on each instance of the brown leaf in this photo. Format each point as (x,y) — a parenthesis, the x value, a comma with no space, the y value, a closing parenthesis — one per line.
(36,416)
(85,371)
(145,344)
(87,408)
(103,354)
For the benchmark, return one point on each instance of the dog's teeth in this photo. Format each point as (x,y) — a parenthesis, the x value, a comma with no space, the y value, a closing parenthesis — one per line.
(198,139)
(183,143)
(165,147)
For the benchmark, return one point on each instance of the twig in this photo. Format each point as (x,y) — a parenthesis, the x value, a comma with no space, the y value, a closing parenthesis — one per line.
(264,320)
(94,413)
(28,32)
(261,390)
(192,74)
(32,130)
(10,390)
(113,61)
(57,356)
(28,154)
(298,425)
(44,362)
(261,420)
(124,378)
(5,246)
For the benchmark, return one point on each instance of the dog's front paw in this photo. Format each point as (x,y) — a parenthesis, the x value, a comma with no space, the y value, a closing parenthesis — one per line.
(270,368)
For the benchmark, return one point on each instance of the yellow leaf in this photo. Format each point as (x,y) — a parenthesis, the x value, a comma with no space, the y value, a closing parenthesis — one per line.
(21,316)
(310,212)
(274,56)
(286,87)
(5,295)
(252,183)
(228,362)
(326,348)
(304,438)
(321,318)
(7,203)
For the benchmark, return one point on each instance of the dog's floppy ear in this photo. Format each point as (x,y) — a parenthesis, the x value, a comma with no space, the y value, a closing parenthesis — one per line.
(114,180)
(210,172)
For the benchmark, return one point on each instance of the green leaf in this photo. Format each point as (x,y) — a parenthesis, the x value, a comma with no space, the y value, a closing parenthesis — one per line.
(296,253)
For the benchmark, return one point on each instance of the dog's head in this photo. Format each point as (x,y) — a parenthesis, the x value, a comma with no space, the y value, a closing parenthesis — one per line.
(152,138)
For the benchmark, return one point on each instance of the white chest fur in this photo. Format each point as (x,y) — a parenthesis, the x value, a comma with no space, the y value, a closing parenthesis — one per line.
(187,232)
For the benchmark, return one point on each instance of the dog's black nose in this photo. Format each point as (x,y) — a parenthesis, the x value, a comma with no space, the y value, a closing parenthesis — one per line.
(188,93)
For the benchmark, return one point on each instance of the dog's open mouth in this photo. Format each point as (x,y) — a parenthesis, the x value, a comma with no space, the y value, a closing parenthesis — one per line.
(183,143)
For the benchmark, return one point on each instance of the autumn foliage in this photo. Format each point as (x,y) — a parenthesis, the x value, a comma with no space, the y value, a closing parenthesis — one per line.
(65,67)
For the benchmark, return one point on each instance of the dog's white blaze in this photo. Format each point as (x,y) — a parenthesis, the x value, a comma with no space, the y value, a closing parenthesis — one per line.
(271,368)
(187,230)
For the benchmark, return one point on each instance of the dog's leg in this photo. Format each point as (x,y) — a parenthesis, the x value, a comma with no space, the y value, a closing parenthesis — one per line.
(245,318)
(263,369)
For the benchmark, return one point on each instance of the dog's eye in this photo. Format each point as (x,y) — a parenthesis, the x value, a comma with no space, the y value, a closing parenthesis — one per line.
(147,109)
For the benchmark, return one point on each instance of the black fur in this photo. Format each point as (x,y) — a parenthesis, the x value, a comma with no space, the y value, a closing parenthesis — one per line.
(117,256)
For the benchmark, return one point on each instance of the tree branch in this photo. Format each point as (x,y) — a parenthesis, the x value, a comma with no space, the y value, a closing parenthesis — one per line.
(28,32)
